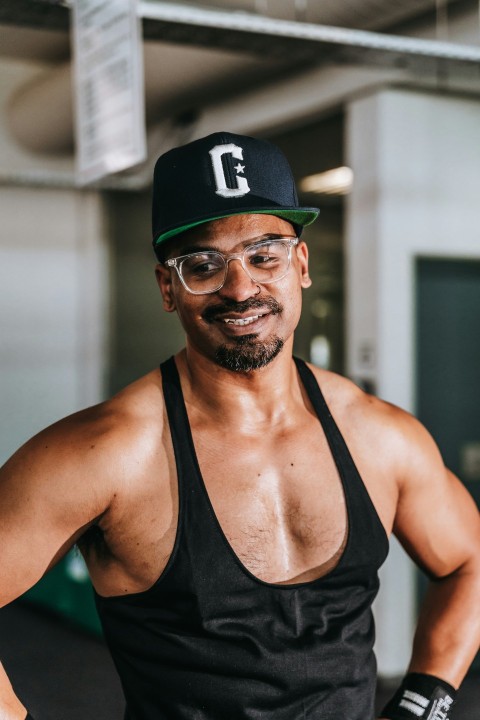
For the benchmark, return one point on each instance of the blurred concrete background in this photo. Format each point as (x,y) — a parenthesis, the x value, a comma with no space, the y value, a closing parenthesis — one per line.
(382,129)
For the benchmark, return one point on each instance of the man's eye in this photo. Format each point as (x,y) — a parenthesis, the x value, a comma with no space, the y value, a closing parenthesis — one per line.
(261,258)
(266,256)
(204,267)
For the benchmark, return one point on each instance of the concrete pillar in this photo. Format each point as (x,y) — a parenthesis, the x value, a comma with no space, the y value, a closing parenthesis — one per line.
(53,309)
(416,163)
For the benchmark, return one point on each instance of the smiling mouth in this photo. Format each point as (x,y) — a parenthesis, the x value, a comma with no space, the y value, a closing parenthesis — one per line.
(242,321)
(238,314)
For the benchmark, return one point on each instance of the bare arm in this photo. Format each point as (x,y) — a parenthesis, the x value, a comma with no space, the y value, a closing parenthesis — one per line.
(84,470)
(439,525)
(431,513)
(50,490)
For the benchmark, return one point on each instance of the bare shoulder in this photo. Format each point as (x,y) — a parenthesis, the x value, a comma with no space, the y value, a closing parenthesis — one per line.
(386,443)
(94,451)
(404,472)
(132,421)
(136,430)
(81,471)
(393,435)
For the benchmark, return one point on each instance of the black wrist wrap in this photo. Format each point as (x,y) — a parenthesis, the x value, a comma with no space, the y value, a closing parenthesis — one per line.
(423,697)
(29,717)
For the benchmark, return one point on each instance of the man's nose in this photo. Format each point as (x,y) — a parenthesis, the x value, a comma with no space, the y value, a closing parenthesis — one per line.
(238,284)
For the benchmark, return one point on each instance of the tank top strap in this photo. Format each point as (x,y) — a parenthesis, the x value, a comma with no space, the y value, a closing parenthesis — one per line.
(179,424)
(335,439)
(366,529)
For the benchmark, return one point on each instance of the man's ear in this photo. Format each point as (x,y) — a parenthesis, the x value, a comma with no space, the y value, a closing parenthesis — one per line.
(164,280)
(302,255)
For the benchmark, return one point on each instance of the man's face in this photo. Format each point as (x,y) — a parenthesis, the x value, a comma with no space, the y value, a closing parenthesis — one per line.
(243,325)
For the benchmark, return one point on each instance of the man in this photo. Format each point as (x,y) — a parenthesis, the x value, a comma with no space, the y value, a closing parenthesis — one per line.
(233,507)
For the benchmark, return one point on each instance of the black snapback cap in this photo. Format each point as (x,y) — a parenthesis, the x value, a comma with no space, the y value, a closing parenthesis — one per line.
(220,175)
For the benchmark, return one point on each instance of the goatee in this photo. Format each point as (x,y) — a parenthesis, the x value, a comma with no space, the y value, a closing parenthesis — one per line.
(248,353)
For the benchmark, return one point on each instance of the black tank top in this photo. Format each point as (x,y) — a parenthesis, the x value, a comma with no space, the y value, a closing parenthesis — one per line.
(210,641)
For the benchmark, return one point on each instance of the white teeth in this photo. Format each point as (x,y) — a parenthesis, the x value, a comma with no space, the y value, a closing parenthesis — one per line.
(241,321)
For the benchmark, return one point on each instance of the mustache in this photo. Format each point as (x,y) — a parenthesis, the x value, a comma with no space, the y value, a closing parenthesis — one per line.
(254,303)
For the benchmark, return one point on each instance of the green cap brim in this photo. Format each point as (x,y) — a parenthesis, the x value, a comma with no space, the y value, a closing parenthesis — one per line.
(301,217)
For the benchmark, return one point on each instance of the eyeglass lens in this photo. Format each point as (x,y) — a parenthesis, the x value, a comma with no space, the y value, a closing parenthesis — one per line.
(264,263)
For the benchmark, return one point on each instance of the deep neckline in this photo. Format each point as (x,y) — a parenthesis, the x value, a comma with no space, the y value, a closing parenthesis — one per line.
(346,545)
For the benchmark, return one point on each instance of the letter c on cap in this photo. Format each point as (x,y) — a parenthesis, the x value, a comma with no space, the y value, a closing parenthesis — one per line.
(220,180)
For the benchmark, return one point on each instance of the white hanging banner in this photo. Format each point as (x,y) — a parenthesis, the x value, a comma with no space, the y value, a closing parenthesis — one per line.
(109,87)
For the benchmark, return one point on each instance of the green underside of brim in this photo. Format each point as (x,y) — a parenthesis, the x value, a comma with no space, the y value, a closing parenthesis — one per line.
(298,217)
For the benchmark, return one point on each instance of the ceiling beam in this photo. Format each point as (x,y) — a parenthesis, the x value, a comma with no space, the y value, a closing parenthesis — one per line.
(304,41)
(266,36)
(39,14)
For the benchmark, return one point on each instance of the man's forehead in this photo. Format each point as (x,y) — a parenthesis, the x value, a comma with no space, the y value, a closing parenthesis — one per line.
(235,229)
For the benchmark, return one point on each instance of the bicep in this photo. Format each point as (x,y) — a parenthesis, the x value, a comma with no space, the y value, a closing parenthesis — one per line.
(436,520)
(45,504)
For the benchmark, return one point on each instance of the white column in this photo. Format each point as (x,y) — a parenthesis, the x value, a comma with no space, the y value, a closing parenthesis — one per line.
(53,308)
(416,163)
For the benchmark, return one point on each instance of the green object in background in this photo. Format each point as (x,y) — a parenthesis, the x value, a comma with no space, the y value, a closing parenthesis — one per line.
(66,589)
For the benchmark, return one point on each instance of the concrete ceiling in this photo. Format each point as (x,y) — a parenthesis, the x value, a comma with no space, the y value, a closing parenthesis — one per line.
(38,29)
(185,64)
(364,14)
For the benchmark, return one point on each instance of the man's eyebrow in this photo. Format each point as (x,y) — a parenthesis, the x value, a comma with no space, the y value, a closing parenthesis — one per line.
(191,249)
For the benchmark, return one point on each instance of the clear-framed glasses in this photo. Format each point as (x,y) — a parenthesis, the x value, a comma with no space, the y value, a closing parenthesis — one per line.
(266,261)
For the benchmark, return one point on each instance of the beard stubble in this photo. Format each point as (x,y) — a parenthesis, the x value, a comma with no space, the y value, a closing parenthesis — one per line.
(246,353)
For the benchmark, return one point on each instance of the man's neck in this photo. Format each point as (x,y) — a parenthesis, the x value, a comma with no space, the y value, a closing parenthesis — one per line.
(246,399)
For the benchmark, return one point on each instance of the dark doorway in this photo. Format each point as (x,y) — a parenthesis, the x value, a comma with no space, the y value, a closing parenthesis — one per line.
(448,364)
